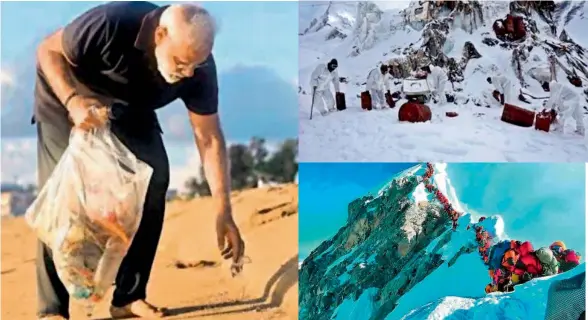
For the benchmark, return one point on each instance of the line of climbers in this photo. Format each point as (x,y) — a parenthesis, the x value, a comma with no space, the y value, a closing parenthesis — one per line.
(484,240)
(377,84)
(453,214)
(512,262)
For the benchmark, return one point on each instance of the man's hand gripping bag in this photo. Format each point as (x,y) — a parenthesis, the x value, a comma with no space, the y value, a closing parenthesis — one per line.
(89,211)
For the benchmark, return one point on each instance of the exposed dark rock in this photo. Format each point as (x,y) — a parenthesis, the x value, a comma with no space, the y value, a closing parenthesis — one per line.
(434,37)
(399,69)
(545,9)
(519,56)
(470,51)
(490,42)
(381,246)
(455,70)
(564,37)
(335,33)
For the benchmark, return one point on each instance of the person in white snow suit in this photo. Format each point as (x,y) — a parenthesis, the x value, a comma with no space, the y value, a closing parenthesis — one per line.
(504,87)
(319,81)
(377,82)
(566,102)
(437,77)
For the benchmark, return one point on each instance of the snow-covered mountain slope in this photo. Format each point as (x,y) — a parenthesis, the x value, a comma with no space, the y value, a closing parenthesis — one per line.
(326,18)
(529,301)
(398,257)
(477,133)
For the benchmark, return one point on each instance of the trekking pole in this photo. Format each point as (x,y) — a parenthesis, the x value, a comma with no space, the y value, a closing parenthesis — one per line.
(526,94)
(312,105)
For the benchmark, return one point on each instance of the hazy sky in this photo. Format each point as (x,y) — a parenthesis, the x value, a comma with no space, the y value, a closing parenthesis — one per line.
(266,25)
(256,53)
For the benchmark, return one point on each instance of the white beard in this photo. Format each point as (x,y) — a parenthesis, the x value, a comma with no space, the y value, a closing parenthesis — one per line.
(163,68)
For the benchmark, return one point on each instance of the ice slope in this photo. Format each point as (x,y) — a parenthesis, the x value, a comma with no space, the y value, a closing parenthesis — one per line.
(528,301)
(477,134)
(467,277)
(358,309)
(454,290)
(427,290)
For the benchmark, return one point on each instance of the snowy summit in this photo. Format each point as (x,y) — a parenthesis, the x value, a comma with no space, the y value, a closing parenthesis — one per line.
(491,68)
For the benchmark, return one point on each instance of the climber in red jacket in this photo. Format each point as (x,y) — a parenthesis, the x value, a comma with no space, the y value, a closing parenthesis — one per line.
(518,265)
(521,260)
(515,262)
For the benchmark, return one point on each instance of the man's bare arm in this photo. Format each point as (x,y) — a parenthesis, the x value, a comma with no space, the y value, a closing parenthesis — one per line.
(54,64)
(213,153)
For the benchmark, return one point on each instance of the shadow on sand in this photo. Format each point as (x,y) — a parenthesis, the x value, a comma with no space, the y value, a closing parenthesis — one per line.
(281,281)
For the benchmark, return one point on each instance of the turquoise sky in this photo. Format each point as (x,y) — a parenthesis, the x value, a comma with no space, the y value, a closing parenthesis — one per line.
(325,190)
(256,53)
(539,202)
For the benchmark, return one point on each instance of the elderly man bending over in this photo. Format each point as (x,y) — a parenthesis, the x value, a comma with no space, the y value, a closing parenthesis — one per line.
(131,58)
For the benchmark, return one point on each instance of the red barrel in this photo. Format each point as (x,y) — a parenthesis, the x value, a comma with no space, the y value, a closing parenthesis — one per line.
(340,99)
(517,116)
(366,101)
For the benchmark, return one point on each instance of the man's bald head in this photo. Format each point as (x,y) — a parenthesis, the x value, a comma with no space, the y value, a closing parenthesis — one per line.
(189,24)
(183,39)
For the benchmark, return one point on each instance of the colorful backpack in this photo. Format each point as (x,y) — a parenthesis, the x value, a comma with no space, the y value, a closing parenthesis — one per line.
(496,253)
(520,259)
(549,263)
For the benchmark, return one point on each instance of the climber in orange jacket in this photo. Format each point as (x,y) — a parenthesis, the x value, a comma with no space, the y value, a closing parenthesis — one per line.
(521,261)
(510,263)
(567,258)
(514,262)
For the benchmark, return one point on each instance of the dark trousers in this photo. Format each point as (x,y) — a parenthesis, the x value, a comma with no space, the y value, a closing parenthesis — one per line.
(133,275)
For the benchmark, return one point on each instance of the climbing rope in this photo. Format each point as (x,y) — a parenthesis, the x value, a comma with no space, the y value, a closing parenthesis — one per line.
(453,214)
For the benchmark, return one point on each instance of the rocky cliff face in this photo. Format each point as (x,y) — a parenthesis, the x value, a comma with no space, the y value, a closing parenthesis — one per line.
(389,244)
(540,19)
(530,42)
(365,34)
(441,19)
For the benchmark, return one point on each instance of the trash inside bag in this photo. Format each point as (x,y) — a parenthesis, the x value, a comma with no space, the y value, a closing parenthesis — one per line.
(89,211)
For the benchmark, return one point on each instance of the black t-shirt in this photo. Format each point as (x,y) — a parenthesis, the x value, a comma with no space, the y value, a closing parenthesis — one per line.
(112,52)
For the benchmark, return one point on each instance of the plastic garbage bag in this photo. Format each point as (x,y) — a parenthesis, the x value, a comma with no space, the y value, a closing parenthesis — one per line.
(89,211)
